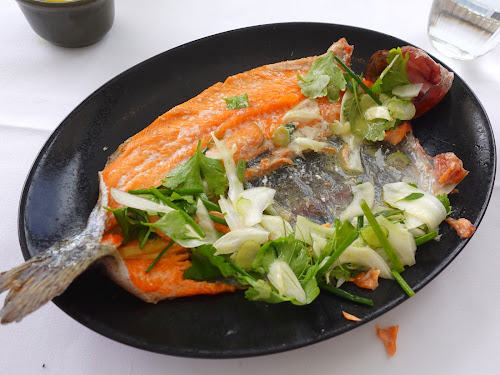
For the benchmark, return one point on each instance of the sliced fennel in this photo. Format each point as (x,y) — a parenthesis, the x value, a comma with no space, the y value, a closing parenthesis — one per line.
(251,203)
(137,202)
(206,223)
(401,240)
(364,191)
(377,112)
(284,280)
(301,144)
(276,225)
(349,156)
(347,95)
(232,241)
(427,208)
(233,219)
(401,109)
(408,91)
(304,229)
(246,254)
(235,185)
(305,111)
(365,257)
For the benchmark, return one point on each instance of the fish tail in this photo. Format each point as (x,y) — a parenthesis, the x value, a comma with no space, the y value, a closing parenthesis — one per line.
(37,281)
(49,273)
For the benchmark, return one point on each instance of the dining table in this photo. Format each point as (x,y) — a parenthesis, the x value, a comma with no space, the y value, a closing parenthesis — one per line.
(450,326)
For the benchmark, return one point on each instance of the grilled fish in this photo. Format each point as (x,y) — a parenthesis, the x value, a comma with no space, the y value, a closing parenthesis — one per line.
(315,186)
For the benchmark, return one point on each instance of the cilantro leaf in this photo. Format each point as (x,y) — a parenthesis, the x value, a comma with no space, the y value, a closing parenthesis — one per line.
(237,102)
(189,174)
(443,198)
(394,74)
(324,78)
(122,219)
(295,254)
(206,266)
(130,220)
(287,249)
(371,130)
(260,290)
(175,225)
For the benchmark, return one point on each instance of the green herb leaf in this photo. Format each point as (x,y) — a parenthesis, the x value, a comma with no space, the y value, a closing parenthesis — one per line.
(287,249)
(393,75)
(324,78)
(122,219)
(260,290)
(241,167)
(184,202)
(130,221)
(413,196)
(189,174)
(354,108)
(345,235)
(296,255)
(175,225)
(206,266)
(443,198)
(237,102)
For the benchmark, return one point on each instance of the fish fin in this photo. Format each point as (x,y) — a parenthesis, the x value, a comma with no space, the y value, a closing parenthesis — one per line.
(37,281)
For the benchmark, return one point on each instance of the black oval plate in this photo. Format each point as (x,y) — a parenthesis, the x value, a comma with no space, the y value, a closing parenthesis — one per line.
(62,188)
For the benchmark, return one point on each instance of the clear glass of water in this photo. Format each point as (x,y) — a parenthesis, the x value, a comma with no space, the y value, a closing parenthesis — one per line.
(464,29)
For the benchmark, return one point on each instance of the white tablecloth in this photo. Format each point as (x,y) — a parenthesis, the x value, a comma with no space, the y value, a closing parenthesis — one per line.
(450,327)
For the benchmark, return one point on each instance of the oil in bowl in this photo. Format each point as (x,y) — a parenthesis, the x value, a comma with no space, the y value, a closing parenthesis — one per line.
(69,23)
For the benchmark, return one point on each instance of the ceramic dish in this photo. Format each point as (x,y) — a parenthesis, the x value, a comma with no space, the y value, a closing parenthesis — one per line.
(62,189)
(69,23)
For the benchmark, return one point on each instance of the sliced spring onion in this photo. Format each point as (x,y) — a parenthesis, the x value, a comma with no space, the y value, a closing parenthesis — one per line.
(337,253)
(217,219)
(210,206)
(361,221)
(159,256)
(155,192)
(359,81)
(409,291)
(426,238)
(180,191)
(386,245)
(349,296)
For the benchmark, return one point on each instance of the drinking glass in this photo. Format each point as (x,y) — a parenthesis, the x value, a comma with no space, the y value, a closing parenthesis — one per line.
(464,29)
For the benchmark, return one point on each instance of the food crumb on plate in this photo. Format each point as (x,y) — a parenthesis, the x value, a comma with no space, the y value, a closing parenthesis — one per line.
(351,317)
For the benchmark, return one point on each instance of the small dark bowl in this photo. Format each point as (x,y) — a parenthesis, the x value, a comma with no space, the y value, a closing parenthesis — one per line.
(73,23)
